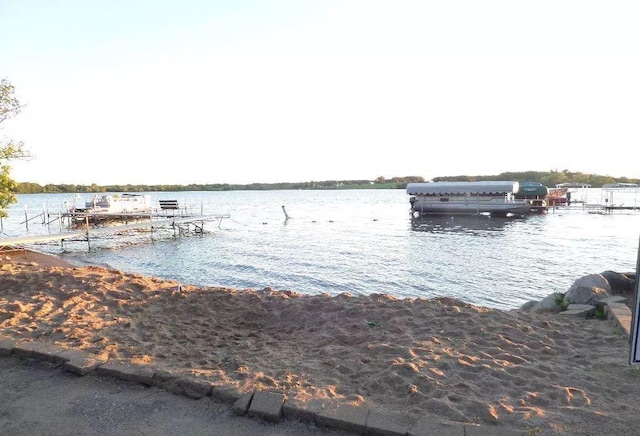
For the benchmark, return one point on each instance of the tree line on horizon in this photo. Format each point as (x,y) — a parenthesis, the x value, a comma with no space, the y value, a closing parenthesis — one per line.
(550,179)
(547,178)
(379,183)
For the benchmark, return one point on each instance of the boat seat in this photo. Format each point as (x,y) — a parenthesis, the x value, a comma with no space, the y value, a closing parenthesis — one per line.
(169,204)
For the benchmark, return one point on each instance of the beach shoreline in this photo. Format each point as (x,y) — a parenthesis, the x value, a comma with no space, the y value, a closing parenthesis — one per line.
(461,363)
(27,255)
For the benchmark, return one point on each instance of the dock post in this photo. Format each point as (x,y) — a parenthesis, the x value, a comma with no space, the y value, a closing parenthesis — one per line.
(286,216)
(86,221)
(26,218)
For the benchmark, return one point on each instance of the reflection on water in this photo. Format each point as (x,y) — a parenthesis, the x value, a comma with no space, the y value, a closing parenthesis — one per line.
(477,225)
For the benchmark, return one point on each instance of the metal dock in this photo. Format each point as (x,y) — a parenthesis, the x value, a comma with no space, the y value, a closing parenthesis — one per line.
(150,222)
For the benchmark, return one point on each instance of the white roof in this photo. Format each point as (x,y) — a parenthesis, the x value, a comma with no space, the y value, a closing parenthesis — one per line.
(573,185)
(462,188)
(620,186)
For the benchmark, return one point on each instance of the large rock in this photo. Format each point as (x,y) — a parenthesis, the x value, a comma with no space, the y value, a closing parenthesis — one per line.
(621,283)
(526,307)
(548,304)
(588,290)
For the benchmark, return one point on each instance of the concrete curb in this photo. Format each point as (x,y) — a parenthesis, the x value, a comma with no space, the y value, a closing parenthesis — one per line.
(265,405)
(127,371)
(621,316)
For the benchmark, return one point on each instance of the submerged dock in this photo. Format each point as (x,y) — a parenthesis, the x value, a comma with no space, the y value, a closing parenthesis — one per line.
(86,226)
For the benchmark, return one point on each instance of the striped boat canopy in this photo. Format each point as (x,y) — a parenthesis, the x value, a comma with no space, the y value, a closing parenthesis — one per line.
(462,188)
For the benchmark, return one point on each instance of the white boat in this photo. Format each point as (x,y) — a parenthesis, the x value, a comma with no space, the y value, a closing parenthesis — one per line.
(112,204)
(467,198)
(119,204)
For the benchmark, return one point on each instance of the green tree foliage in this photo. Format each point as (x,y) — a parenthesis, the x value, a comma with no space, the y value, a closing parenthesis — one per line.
(549,179)
(9,149)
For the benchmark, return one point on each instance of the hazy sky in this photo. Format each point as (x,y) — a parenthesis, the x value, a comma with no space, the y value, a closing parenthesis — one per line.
(206,91)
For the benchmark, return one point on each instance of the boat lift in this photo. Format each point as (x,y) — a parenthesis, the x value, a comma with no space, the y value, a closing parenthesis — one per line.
(613,191)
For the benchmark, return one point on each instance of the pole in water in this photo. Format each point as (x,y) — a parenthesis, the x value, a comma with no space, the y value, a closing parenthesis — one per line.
(286,216)
(86,220)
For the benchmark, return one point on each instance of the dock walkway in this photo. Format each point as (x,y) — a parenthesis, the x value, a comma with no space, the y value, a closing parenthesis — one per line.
(180,224)
(51,237)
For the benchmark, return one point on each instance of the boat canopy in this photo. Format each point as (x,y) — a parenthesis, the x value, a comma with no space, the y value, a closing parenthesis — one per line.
(573,185)
(532,188)
(462,188)
(620,186)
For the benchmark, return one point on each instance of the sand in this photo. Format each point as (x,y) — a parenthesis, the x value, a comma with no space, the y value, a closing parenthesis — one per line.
(539,373)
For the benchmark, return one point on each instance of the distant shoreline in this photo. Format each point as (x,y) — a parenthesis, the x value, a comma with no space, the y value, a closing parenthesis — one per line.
(547,178)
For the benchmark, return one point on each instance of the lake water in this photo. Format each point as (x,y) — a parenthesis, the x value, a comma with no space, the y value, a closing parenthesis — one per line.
(362,242)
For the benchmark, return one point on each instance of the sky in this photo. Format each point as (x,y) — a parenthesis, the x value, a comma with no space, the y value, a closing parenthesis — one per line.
(196,91)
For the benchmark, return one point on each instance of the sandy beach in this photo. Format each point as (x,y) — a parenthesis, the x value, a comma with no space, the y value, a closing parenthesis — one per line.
(539,373)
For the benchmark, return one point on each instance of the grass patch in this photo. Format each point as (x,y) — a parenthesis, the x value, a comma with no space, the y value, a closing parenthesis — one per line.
(559,300)
(600,313)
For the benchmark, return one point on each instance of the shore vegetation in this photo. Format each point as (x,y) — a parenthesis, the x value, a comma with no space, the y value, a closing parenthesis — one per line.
(9,149)
(547,178)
